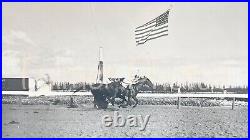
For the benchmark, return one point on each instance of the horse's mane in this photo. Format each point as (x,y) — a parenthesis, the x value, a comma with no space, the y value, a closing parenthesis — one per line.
(144,79)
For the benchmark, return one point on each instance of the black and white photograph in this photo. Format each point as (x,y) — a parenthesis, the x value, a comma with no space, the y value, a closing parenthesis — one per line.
(125,70)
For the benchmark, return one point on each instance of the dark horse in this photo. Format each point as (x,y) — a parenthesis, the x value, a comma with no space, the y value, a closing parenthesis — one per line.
(105,93)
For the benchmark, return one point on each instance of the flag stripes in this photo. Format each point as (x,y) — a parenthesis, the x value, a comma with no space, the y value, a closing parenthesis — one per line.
(153,29)
(148,23)
(153,35)
(140,35)
(139,43)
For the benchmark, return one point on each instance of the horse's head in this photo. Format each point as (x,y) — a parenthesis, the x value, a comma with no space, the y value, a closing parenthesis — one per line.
(145,81)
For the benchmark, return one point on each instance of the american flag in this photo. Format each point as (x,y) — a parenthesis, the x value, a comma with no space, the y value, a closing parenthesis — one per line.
(155,28)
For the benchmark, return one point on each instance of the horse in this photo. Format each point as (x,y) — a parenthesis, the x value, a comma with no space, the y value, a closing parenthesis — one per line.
(105,93)
(100,95)
(130,91)
(134,89)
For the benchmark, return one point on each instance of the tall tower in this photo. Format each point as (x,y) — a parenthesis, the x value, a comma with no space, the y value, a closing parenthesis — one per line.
(99,78)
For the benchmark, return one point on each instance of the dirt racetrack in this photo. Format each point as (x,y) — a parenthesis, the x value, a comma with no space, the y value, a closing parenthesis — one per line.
(85,121)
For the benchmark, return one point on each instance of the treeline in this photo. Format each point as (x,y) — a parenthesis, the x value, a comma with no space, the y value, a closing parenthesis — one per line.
(68,87)
(196,87)
(159,88)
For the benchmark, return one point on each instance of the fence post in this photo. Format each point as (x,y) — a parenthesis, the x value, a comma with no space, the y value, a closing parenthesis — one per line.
(179,103)
(71,103)
(233,103)
(19,101)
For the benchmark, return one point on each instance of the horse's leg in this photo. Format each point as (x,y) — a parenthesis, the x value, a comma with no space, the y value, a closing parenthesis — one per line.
(95,106)
(123,100)
(111,100)
(129,98)
(136,101)
(123,97)
(129,102)
(97,102)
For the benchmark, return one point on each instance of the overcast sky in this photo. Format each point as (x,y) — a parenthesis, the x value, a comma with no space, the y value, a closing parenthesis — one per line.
(207,41)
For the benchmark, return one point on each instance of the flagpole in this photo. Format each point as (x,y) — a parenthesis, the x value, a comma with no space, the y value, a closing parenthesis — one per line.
(99,78)
(92,12)
(171,7)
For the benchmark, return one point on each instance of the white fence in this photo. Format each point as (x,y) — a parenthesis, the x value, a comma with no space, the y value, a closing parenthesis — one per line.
(43,93)
(194,95)
(199,95)
(154,95)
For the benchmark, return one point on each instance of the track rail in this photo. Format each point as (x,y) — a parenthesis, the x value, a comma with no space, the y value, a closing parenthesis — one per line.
(154,95)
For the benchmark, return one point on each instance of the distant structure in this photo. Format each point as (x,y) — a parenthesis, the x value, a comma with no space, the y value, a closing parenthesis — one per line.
(40,84)
(99,78)
(15,84)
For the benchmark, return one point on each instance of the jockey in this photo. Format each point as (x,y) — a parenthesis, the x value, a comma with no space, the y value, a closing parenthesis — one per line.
(135,80)
(128,84)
